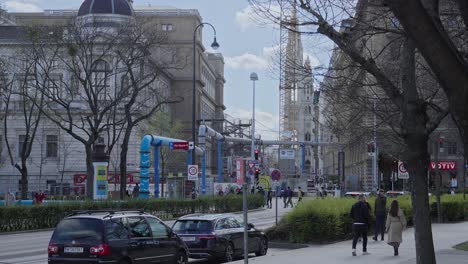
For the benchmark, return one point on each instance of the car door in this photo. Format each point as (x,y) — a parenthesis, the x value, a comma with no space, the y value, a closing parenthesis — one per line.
(117,236)
(164,239)
(141,244)
(251,233)
(236,231)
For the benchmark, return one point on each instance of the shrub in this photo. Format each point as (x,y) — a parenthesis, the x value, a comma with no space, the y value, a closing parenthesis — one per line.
(325,220)
(16,218)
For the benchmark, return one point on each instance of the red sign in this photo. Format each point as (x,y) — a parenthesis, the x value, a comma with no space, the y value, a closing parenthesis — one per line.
(445,165)
(111,178)
(180,145)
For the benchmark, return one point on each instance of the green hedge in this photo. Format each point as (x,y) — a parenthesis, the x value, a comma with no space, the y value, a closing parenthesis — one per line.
(326,220)
(17,218)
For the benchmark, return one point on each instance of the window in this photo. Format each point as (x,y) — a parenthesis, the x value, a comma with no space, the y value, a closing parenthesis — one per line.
(451,148)
(53,88)
(232,222)
(222,224)
(115,229)
(124,86)
(167,27)
(51,146)
(157,228)
(21,142)
(138,227)
(100,74)
(75,85)
(307,137)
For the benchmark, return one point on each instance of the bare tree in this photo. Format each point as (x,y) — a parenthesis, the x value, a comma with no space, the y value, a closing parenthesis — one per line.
(22,103)
(143,81)
(409,112)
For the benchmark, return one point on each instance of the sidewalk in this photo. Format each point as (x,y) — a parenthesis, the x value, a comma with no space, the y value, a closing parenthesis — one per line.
(445,237)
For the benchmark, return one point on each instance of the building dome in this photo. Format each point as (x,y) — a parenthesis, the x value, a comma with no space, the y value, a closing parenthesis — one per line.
(115,7)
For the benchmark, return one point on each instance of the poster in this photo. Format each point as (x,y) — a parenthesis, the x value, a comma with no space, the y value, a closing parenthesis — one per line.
(100,180)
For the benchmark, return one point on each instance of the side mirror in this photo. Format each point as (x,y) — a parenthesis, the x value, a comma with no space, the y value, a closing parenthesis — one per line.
(250,226)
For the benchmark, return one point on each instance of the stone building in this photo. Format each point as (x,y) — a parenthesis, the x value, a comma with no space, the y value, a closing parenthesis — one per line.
(354,115)
(56,156)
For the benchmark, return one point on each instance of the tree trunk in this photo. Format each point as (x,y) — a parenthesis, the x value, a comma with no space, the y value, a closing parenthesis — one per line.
(89,172)
(24,181)
(123,162)
(417,161)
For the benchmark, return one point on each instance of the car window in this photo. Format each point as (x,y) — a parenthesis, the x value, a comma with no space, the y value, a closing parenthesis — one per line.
(232,223)
(222,224)
(81,230)
(192,227)
(115,229)
(138,227)
(157,228)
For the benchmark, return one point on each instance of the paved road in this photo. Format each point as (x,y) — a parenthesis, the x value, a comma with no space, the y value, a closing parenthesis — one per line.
(31,247)
(445,237)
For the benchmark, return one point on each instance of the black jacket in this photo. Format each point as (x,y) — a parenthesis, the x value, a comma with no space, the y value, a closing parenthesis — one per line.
(360,212)
(380,207)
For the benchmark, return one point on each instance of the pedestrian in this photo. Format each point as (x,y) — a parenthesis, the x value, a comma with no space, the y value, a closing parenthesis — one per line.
(300,194)
(252,190)
(284,195)
(396,223)
(269,198)
(289,193)
(360,214)
(193,194)
(136,191)
(380,210)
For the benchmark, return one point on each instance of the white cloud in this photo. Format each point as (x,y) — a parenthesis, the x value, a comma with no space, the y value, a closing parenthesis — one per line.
(23,6)
(260,15)
(247,61)
(266,123)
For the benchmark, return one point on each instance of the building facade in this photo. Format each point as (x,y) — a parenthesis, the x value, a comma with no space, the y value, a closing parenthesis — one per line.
(57,156)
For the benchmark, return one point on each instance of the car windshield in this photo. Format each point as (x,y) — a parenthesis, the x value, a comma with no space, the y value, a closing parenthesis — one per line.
(193,227)
(80,230)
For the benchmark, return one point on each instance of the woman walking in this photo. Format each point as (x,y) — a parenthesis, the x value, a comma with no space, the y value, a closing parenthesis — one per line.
(396,223)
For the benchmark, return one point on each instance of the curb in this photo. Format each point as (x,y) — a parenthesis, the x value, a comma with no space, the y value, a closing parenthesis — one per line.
(286,245)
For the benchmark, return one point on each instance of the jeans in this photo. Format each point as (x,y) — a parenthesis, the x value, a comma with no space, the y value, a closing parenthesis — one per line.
(360,231)
(379,226)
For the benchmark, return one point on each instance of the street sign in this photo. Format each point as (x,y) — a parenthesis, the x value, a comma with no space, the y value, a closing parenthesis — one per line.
(252,164)
(402,172)
(191,145)
(192,172)
(179,145)
(275,175)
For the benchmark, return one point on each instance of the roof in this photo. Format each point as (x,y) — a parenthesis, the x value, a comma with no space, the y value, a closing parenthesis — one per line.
(207,217)
(113,7)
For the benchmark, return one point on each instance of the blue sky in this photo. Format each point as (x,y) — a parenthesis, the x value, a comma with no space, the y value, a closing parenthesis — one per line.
(245,44)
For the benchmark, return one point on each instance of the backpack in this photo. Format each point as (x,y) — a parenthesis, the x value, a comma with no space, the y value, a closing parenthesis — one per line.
(302,193)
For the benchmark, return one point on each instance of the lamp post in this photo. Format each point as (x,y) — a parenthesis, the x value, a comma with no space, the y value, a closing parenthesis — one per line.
(215,46)
(253,78)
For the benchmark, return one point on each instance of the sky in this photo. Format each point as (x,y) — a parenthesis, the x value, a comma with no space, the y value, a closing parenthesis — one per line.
(246,46)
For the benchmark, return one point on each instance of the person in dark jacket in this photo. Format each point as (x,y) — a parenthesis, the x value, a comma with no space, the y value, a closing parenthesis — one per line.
(380,210)
(360,213)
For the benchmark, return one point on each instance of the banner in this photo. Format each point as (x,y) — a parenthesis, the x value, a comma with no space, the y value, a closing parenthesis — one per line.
(240,171)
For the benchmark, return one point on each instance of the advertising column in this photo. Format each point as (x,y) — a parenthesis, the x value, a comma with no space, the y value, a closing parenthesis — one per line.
(100,163)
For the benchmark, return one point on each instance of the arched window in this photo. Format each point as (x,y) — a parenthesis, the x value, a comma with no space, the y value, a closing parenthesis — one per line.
(310,110)
(307,136)
(124,86)
(100,72)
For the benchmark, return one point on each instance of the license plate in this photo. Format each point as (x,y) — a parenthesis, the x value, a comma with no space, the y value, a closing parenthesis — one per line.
(188,239)
(73,250)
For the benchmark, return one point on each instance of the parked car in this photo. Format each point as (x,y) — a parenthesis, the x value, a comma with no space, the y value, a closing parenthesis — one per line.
(121,237)
(219,236)
(356,194)
(397,193)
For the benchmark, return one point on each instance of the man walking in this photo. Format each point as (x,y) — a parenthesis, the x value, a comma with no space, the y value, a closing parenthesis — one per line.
(360,213)
(300,194)
(269,198)
(289,194)
(380,210)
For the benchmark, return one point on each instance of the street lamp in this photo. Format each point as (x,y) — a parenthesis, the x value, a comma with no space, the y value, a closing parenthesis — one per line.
(253,78)
(214,45)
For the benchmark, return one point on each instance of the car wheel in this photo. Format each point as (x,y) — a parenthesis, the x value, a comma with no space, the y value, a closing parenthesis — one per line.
(262,248)
(229,253)
(181,258)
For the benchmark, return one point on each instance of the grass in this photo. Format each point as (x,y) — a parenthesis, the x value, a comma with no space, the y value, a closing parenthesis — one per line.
(462,246)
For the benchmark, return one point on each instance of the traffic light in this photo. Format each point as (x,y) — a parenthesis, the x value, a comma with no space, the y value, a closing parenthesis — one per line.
(256,154)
